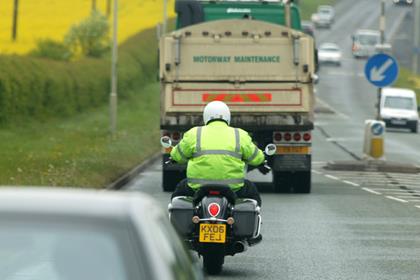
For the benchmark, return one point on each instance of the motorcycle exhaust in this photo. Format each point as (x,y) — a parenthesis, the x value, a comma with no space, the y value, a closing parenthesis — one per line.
(240,247)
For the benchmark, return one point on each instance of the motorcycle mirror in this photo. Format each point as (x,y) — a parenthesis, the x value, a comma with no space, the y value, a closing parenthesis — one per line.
(270,149)
(166,142)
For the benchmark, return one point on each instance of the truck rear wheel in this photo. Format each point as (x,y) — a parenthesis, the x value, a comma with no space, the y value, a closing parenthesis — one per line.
(296,182)
(302,182)
(281,181)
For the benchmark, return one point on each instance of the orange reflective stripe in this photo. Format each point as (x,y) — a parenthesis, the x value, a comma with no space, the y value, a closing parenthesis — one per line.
(237,97)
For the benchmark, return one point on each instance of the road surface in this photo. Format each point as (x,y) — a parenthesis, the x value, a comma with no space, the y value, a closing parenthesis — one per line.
(353,225)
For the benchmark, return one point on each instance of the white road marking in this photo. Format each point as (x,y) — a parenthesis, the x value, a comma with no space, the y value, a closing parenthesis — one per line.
(371,191)
(325,104)
(332,139)
(396,199)
(418,206)
(351,183)
(405,196)
(332,177)
(387,189)
(319,162)
(317,172)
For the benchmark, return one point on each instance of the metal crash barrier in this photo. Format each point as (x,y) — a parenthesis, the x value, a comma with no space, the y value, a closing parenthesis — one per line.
(374,145)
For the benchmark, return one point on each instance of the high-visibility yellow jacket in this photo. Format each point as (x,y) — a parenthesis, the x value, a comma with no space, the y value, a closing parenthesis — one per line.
(217,154)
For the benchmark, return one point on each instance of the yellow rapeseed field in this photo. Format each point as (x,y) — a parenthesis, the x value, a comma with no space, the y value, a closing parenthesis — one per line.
(41,19)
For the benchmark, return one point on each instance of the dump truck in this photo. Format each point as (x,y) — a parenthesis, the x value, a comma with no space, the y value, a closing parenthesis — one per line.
(253,56)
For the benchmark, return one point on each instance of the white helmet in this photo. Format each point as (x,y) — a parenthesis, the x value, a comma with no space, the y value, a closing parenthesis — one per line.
(216,110)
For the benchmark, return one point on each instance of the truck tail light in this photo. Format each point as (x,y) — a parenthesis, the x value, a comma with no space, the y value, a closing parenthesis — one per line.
(297,137)
(307,137)
(277,136)
(287,136)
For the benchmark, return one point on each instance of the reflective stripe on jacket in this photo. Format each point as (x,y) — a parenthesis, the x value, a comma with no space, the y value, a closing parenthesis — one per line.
(217,154)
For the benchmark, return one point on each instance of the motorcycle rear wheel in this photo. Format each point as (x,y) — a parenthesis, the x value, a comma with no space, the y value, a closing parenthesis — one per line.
(213,262)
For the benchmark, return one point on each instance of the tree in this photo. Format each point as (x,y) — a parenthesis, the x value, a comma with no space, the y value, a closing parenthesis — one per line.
(90,37)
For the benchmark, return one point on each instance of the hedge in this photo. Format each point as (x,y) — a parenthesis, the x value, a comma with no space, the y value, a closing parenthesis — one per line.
(40,89)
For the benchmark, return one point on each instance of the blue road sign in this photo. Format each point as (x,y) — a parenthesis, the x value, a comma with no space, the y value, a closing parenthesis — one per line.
(381,70)
(377,129)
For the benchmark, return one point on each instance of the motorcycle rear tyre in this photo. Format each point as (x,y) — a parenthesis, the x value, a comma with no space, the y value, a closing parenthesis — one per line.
(213,262)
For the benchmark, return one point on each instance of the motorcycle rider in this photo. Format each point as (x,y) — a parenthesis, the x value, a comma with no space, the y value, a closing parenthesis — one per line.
(218,154)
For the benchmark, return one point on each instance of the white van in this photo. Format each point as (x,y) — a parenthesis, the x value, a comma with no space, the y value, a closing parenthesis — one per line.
(398,108)
(365,42)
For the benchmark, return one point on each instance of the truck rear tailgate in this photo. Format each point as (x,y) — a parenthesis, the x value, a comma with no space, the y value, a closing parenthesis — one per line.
(236,51)
(250,97)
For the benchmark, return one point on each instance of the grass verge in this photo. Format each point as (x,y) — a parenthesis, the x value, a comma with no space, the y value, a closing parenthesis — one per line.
(79,151)
(407,79)
(308,7)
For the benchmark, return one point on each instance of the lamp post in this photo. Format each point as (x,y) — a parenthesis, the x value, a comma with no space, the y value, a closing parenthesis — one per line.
(416,55)
(114,76)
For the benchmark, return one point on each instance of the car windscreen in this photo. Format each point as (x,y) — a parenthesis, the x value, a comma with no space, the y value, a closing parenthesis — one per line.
(325,12)
(329,49)
(368,39)
(397,102)
(54,250)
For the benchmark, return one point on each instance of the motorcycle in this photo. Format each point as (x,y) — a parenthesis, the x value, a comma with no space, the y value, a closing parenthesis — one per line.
(215,223)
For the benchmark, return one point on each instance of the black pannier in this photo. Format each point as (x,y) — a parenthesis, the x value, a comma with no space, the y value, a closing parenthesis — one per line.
(181,211)
(246,215)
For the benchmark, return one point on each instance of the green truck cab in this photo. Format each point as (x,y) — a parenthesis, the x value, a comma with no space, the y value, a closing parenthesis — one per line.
(191,12)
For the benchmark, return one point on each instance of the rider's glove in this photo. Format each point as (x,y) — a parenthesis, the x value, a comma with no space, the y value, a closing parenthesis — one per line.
(264,168)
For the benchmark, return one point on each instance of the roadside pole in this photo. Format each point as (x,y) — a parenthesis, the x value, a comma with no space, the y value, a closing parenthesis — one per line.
(165,16)
(382,30)
(416,53)
(15,19)
(114,77)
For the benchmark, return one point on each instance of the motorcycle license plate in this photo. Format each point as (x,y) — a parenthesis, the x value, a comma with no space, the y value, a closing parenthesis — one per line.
(212,233)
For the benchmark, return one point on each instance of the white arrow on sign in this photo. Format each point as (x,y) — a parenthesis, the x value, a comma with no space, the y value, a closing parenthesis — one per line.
(377,74)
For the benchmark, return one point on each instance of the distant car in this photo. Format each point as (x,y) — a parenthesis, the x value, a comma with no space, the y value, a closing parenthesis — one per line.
(308,28)
(324,16)
(403,2)
(398,108)
(329,53)
(87,235)
(364,42)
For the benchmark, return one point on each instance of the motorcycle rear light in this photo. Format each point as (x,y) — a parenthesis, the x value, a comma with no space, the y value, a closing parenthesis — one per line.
(297,136)
(307,137)
(195,219)
(277,136)
(230,221)
(214,192)
(214,209)
(287,136)
(176,136)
